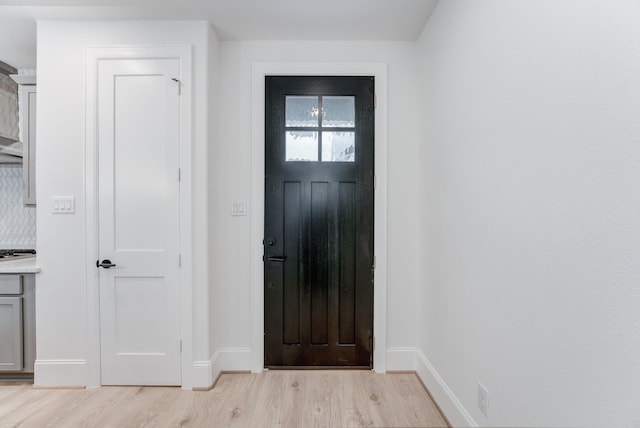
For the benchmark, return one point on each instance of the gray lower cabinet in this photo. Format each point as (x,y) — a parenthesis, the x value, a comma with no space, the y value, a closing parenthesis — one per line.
(17,323)
(11,334)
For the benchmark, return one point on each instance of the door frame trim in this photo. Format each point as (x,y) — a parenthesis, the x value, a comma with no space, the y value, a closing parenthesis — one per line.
(93,54)
(260,70)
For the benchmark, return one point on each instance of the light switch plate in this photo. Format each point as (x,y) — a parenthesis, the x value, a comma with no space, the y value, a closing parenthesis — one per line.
(238,209)
(63,205)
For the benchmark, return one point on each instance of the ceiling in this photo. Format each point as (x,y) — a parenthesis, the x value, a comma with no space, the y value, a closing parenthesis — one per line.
(232,19)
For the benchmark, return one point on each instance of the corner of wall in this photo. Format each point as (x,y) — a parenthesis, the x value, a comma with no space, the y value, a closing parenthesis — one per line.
(449,404)
(410,359)
(205,373)
(401,359)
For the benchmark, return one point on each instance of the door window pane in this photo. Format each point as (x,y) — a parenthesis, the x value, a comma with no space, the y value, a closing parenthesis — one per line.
(301,111)
(301,146)
(309,117)
(338,112)
(338,146)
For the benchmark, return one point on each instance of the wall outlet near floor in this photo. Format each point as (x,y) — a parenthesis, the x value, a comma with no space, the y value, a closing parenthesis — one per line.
(483,399)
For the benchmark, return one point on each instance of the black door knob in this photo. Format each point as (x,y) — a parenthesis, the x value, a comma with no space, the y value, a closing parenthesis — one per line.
(106,263)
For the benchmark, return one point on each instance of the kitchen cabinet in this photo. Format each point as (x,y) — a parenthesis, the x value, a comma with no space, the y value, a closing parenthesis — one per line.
(17,323)
(11,333)
(27,108)
(11,326)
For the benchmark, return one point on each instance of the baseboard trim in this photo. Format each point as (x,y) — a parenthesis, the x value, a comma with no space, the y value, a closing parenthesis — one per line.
(445,399)
(202,376)
(434,401)
(401,359)
(60,374)
(206,373)
(59,387)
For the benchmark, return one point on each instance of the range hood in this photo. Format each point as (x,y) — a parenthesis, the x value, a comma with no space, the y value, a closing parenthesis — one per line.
(10,145)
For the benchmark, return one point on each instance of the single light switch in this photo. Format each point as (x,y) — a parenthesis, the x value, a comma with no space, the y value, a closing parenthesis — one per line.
(63,205)
(238,209)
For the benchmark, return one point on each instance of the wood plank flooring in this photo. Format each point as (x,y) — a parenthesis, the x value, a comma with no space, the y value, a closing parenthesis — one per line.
(269,399)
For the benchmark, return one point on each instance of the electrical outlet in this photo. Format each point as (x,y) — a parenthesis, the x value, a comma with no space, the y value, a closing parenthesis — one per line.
(483,399)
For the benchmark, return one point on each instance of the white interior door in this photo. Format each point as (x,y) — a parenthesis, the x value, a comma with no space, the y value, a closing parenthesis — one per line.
(138,186)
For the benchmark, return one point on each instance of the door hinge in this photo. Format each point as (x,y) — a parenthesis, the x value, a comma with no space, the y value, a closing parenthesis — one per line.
(179,260)
(375,181)
(375,100)
(179,84)
(179,174)
(180,345)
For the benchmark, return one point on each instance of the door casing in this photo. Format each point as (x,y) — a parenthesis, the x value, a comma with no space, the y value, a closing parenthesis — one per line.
(93,56)
(260,70)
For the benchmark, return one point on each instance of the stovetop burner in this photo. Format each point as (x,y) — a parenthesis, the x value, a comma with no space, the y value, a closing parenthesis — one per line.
(13,253)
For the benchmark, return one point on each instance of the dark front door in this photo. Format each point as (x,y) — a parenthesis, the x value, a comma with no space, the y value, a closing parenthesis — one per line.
(318,245)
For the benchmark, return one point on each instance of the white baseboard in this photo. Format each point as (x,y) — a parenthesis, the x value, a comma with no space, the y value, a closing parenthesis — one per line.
(74,373)
(202,375)
(60,373)
(442,394)
(205,373)
(401,359)
(407,358)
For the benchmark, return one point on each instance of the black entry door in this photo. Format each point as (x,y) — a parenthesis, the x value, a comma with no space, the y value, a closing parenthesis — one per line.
(318,245)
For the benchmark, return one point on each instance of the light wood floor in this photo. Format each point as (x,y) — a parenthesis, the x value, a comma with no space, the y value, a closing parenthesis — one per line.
(274,398)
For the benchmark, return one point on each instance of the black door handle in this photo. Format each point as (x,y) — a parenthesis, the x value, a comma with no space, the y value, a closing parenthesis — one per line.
(106,263)
(276,259)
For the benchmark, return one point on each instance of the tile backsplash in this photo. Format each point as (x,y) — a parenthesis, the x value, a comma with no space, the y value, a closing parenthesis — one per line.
(17,222)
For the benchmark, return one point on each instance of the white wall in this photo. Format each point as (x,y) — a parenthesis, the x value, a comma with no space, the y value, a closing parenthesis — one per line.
(231,173)
(62,334)
(532,202)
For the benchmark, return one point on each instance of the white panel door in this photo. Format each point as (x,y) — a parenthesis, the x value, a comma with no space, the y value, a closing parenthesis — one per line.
(138,185)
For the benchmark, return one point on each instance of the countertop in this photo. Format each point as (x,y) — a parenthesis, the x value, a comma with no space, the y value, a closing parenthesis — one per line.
(26,265)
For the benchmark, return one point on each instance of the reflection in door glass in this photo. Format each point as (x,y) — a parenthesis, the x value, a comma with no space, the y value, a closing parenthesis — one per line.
(301,146)
(301,111)
(338,112)
(313,121)
(338,146)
